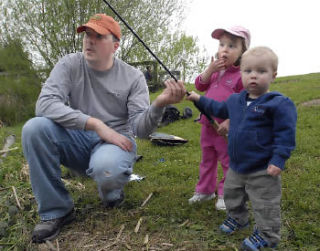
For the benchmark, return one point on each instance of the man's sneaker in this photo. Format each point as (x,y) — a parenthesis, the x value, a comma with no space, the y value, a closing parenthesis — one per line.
(115,203)
(255,242)
(199,197)
(230,225)
(48,229)
(220,205)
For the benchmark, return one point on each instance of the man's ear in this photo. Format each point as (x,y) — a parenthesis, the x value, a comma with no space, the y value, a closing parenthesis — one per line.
(116,46)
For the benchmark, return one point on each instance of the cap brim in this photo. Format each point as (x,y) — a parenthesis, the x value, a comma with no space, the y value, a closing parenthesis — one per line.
(217,33)
(96,28)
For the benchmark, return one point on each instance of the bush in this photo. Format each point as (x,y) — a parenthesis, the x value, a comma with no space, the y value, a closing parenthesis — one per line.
(19,83)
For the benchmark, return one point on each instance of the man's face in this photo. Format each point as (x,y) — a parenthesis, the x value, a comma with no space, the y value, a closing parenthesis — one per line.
(98,49)
(257,74)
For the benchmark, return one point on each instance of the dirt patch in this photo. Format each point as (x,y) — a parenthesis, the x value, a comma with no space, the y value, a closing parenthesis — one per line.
(314,102)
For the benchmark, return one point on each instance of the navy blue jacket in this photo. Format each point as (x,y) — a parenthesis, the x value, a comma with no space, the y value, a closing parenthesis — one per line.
(260,134)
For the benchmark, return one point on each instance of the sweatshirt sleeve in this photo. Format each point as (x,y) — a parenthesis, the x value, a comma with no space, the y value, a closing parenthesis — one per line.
(213,108)
(142,117)
(201,86)
(284,130)
(53,99)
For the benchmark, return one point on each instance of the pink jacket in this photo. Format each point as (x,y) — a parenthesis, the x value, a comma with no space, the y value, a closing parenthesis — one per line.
(221,86)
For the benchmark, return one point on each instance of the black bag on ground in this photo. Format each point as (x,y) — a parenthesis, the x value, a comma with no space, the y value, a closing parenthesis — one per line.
(187,113)
(171,114)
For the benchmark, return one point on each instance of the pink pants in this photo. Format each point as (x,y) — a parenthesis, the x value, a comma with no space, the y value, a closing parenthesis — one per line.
(214,148)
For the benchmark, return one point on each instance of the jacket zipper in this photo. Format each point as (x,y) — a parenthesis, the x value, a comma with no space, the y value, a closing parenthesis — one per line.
(235,153)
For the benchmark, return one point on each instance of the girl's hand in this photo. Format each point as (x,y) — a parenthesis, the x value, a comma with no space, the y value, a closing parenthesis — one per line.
(193,96)
(273,170)
(216,65)
(224,127)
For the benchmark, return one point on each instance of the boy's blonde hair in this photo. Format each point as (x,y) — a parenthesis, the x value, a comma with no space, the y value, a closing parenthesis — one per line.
(263,51)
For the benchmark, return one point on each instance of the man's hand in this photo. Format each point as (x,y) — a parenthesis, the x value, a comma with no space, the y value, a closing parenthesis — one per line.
(172,94)
(273,170)
(109,135)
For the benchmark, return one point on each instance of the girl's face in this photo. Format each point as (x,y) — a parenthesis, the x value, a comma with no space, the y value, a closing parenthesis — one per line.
(230,49)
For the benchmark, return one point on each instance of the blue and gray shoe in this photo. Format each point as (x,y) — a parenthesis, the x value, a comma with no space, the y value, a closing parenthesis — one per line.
(255,242)
(230,225)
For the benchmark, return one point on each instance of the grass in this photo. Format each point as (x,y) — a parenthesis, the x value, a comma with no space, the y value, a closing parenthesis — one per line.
(168,222)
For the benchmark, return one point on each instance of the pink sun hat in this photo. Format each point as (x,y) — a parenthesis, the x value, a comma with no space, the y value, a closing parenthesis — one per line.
(238,31)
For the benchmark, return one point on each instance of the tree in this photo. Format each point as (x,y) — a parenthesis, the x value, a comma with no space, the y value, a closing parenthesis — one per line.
(48,27)
(181,52)
(19,83)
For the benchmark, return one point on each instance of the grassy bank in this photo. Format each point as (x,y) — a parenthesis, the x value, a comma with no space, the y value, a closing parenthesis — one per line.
(167,221)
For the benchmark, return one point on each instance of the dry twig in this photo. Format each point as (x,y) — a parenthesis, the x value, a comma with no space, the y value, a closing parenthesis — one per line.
(8,143)
(57,242)
(120,232)
(4,188)
(167,244)
(108,246)
(66,182)
(24,173)
(116,241)
(16,197)
(184,223)
(50,245)
(136,230)
(8,150)
(146,239)
(91,245)
(146,200)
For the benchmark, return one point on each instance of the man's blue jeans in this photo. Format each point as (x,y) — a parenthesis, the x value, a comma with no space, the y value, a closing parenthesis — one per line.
(47,145)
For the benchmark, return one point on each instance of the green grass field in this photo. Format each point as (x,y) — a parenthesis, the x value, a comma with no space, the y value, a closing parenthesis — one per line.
(168,222)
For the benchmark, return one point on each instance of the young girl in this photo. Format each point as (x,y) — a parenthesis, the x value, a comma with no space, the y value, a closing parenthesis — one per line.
(219,80)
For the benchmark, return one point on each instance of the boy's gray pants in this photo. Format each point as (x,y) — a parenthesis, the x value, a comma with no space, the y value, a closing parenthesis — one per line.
(264,193)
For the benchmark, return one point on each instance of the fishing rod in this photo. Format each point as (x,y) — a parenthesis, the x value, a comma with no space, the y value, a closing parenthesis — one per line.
(211,120)
(141,41)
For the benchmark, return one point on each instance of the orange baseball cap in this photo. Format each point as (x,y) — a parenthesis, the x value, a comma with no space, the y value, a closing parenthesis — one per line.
(103,25)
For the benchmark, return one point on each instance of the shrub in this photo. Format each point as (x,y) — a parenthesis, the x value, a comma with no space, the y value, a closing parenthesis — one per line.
(19,83)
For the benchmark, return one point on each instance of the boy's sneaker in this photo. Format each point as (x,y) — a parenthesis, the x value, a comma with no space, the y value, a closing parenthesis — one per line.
(48,229)
(255,242)
(230,225)
(200,197)
(220,205)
